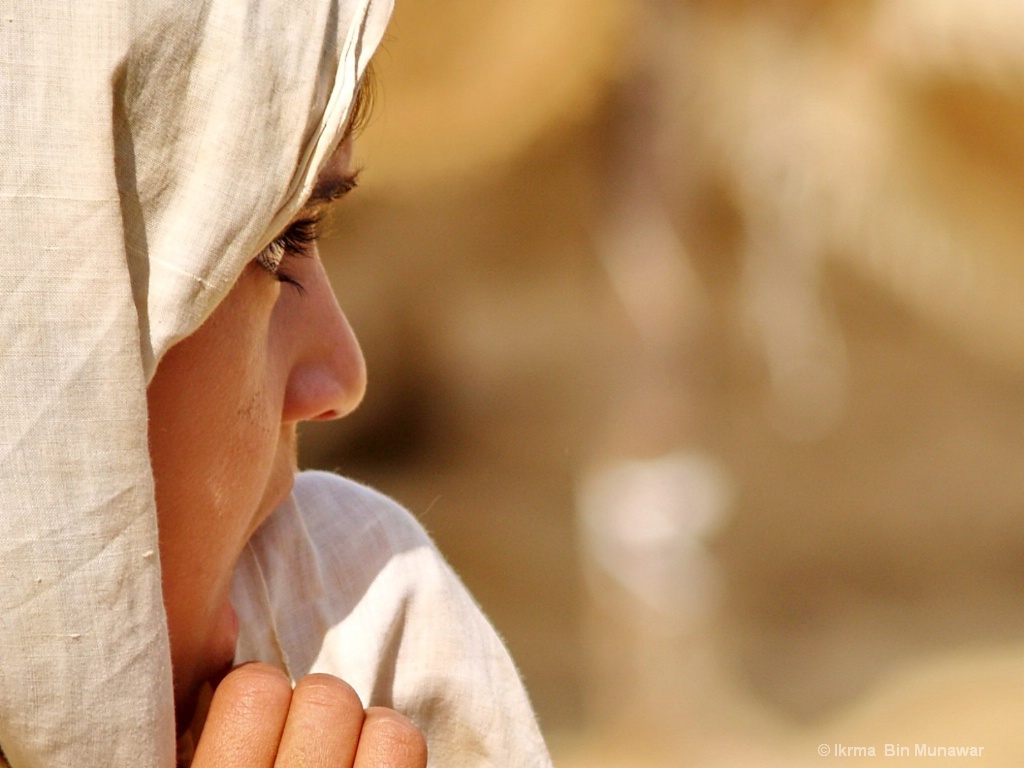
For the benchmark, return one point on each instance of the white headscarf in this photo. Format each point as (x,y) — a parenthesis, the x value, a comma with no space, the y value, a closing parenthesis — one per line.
(148,150)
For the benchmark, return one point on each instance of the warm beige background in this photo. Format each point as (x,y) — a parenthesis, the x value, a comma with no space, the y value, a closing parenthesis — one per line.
(696,338)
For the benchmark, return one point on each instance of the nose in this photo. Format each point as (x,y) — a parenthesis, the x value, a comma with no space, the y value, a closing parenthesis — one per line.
(327,372)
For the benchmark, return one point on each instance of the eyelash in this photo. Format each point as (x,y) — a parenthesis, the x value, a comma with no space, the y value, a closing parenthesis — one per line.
(298,240)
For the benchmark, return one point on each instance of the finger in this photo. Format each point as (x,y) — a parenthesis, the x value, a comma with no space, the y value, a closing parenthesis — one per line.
(323,724)
(246,719)
(390,740)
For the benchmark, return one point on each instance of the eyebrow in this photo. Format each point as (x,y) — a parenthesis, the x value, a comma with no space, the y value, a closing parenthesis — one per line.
(332,188)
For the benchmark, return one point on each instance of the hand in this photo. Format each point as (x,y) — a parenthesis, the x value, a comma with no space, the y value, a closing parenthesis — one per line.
(256,720)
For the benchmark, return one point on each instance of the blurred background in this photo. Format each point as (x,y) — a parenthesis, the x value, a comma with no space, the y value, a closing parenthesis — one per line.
(696,339)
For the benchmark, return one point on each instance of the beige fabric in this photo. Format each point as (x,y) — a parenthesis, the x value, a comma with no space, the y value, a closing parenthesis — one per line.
(150,148)
(343,580)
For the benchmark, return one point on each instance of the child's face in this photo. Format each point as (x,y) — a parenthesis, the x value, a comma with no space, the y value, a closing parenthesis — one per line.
(223,407)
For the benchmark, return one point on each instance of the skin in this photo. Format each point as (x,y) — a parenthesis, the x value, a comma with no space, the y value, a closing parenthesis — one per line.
(224,405)
(256,720)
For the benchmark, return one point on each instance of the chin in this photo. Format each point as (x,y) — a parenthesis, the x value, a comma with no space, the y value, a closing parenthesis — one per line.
(281,479)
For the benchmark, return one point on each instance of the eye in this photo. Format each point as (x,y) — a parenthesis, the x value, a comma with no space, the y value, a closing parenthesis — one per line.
(296,241)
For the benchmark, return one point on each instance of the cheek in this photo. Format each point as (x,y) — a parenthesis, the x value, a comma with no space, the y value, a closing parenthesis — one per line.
(214,393)
(213,426)
(214,435)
